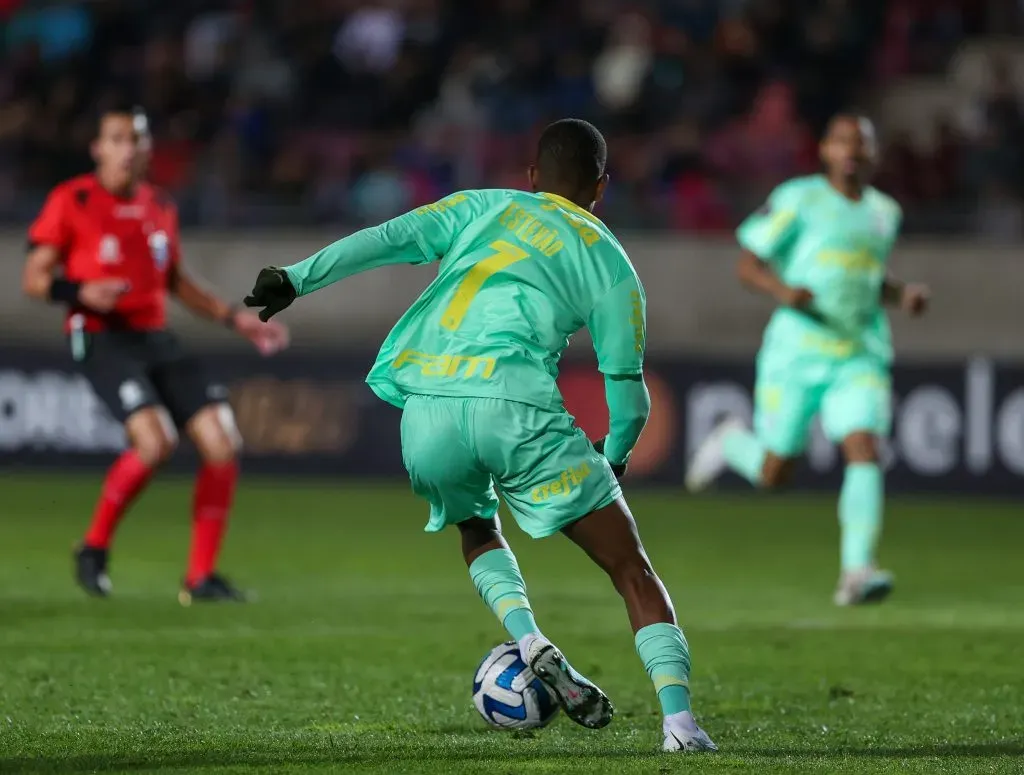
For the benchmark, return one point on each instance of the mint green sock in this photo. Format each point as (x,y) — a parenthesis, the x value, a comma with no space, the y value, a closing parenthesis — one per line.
(745,454)
(497,579)
(860,514)
(666,657)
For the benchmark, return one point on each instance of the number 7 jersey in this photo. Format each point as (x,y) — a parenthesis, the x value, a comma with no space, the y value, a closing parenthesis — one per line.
(519,274)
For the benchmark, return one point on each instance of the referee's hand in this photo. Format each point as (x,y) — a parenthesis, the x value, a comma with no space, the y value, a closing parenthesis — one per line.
(273,291)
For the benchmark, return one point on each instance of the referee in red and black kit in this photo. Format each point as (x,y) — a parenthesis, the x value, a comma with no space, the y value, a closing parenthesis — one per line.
(106,248)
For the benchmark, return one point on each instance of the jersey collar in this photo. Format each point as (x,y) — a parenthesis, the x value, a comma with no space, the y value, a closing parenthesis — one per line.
(572,207)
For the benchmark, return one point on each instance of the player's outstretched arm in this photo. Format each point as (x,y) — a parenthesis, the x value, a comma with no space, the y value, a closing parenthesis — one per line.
(268,338)
(199,299)
(912,298)
(423,235)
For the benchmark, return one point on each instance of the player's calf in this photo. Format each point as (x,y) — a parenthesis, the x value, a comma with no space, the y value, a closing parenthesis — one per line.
(861,507)
(153,440)
(215,435)
(609,536)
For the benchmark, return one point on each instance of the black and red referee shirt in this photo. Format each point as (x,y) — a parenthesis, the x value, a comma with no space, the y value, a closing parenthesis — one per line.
(103,236)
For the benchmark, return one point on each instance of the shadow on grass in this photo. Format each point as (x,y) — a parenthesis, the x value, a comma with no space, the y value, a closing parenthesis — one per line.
(339,756)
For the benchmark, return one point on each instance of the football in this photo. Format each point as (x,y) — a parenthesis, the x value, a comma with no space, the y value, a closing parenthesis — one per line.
(507,693)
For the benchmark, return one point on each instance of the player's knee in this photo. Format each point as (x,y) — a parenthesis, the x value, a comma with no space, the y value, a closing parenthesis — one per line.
(478,532)
(215,434)
(631,572)
(479,536)
(860,447)
(154,448)
(152,435)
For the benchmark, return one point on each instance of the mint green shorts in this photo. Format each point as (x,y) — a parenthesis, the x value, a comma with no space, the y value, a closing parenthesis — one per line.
(852,395)
(461,452)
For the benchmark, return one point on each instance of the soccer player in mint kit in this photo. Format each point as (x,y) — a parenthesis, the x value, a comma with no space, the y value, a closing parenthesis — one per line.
(820,247)
(473,365)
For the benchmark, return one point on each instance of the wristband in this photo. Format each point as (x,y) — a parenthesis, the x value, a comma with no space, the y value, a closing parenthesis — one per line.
(64,291)
(229,321)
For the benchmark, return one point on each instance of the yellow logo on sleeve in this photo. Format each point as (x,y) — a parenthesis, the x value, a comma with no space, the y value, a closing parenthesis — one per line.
(444,204)
(636,319)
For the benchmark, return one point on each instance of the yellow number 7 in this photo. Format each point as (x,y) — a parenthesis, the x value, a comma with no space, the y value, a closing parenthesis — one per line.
(504,254)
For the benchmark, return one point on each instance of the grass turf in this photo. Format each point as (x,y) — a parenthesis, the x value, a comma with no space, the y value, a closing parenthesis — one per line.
(359,655)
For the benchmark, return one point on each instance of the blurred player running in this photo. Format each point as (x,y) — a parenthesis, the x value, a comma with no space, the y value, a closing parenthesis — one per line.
(473,365)
(820,247)
(106,247)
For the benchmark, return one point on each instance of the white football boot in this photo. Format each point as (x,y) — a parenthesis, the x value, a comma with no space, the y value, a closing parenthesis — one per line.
(708,462)
(581,699)
(682,734)
(868,585)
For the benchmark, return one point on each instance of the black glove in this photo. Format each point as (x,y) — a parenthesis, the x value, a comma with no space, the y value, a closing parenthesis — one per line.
(618,469)
(273,291)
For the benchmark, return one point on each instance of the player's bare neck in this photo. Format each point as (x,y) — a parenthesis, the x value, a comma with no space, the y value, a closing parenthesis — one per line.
(848,188)
(120,189)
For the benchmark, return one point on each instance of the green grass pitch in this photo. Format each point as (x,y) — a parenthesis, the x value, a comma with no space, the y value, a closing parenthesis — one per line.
(359,654)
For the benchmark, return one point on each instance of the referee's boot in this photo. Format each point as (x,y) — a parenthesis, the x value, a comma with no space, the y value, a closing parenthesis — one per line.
(91,570)
(211,589)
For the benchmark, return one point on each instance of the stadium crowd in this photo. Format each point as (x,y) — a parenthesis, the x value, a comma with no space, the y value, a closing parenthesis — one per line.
(349,111)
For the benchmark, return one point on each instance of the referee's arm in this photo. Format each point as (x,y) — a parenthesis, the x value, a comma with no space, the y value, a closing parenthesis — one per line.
(40,268)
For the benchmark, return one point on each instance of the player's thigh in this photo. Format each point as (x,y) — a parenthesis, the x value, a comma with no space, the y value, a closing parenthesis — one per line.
(185,385)
(117,370)
(548,472)
(786,399)
(118,375)
(859,400)
(438,453)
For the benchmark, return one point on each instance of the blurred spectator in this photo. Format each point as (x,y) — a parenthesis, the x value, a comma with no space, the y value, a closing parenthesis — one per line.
(1001,107)
(370,38)
(60,31)
(947,162)
(1000,214)
(620,70)
(272,111)
(766,146)
(901,168)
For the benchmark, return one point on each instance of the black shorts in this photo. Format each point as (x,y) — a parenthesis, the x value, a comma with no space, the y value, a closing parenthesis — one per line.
(130,370)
